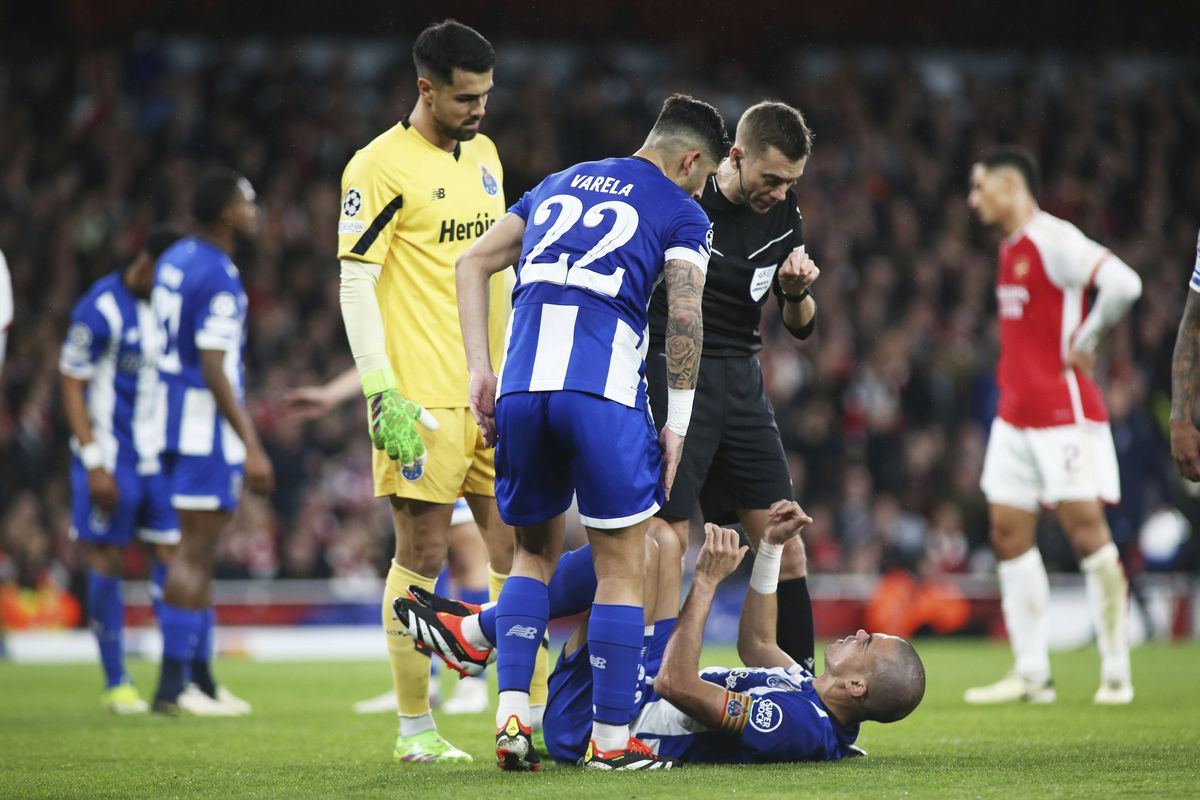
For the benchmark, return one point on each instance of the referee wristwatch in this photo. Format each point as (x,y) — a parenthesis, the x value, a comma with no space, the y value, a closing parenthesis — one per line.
(796,298)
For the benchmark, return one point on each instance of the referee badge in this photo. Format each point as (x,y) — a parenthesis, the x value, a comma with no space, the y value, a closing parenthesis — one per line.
(489,182)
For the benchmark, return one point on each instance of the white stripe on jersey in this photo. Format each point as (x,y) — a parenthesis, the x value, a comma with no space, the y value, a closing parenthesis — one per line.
(624,369)
(102,389)
(556,337)
(197,422)
(149,414)
(504,358)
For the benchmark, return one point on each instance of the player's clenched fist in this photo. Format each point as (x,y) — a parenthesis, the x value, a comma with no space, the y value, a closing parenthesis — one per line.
(393,421)
(720,555)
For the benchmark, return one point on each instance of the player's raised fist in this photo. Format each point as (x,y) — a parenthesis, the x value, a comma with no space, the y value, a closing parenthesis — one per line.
(720,555)
(785,520)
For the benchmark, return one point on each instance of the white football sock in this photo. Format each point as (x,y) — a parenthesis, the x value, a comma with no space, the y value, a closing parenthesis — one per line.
(473,633)
(610,737)
(513,704)
(411,726)
(1107,600)
(536,713)
(1025,597)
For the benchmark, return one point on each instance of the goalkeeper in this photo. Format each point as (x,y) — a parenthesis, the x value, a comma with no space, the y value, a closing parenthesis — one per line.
(412,201)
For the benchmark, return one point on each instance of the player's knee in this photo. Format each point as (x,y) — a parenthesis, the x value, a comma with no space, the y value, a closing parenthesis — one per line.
(666,539)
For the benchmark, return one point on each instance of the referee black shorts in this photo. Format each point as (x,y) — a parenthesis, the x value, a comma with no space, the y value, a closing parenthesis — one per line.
(733,457)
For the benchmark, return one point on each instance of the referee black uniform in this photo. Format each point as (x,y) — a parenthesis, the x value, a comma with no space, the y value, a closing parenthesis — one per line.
(733,457)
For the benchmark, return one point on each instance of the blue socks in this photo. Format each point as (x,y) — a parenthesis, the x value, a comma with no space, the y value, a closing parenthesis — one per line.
(106,614)
(158,582)
(571,590)
(201,662)
(181,632)
(520,618)
(476,596)
(615,635)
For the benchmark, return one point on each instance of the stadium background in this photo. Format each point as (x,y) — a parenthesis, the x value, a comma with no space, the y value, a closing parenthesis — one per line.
(111,109)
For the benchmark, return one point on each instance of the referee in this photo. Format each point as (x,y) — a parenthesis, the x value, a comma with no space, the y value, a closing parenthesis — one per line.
(733,463)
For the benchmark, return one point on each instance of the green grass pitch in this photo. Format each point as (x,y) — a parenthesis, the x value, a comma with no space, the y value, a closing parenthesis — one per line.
(303,741)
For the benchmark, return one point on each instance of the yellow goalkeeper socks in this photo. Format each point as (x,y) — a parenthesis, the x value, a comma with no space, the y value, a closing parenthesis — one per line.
(410,668)
(541,668)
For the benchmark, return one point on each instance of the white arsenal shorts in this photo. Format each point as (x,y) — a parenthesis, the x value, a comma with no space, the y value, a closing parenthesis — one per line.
(1028,467)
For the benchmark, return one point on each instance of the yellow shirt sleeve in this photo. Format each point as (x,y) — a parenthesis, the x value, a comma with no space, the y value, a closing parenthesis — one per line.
(372,200)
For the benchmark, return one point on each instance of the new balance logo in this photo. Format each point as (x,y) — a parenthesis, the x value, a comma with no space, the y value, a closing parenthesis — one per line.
(439,194)
(598,662)
(524,631)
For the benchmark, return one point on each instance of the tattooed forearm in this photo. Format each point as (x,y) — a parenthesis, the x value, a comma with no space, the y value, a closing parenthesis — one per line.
(685,324)
(1183,364)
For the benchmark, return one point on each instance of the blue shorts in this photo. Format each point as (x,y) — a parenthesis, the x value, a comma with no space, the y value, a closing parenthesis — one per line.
(567,722)
(143,508)
(557,444)
(202,483)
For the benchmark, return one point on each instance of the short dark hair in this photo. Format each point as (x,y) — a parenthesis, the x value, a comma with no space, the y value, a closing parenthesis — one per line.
(445,46)
(778,125)
(696,121)
(214,193)
(895,686)
(1018,158)
(159,239)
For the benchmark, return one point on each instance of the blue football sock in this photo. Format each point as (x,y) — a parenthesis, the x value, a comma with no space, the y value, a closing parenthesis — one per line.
(199,669)
(158,580)
(476,596)
(615,635)
(522,611)
(487,622)
(106,614)
(573,587)
(442,586)
(181,631)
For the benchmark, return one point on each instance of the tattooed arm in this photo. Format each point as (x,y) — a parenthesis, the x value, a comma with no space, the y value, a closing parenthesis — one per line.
(1185,439)
(684,342)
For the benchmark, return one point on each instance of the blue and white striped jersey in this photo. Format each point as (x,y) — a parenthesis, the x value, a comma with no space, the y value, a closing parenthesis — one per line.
(786,722)
(596,238)
(200,305)
(112,344)
(1195,282)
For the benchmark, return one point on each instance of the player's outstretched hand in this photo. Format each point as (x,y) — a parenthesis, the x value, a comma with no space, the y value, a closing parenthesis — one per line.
(785,520)
(797,272)
(720,554)
(260,474)
(1185,449)
(482,394)
(1083,361)
(672,447)
(307,402)
(102,488)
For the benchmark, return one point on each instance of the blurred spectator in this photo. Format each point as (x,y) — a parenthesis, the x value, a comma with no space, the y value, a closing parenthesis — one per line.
(884,411)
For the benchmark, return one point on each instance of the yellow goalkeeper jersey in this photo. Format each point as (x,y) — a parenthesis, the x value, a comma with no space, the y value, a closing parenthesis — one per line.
(413,208)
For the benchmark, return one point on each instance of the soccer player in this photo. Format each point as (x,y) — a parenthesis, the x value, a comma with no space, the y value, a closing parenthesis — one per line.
(414,199)
(772,710)
(110,394)
(211,443)
(1050,443)
(569,409)
(1185,439)
(467,554)
(734,466)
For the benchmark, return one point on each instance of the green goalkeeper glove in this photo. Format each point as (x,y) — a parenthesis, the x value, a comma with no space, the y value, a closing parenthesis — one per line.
(392,419)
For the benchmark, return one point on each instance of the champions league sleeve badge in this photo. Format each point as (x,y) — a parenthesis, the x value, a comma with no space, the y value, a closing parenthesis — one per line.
(490,185)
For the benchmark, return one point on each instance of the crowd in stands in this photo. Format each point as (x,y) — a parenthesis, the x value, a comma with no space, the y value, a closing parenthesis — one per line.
(884,411)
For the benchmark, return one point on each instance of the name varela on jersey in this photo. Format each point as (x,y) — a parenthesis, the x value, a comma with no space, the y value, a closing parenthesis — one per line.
(602,183)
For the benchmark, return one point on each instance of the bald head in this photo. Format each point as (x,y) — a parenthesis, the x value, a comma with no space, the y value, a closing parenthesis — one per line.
(895,681)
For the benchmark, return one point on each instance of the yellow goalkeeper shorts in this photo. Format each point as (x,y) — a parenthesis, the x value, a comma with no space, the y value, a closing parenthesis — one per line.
(457,462)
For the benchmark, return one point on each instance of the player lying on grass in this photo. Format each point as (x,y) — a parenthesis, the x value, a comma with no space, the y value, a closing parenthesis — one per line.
(772,710)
